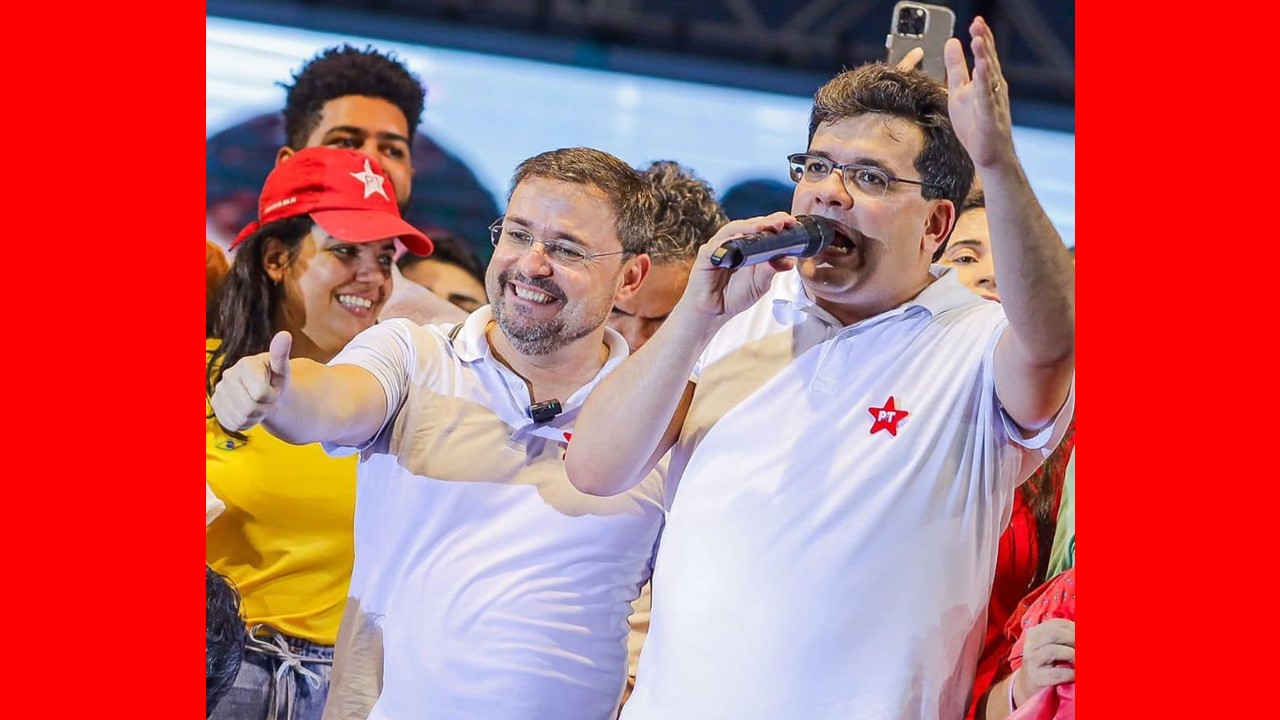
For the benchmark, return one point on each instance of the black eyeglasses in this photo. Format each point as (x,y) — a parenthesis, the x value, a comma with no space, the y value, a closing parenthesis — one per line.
(864,180)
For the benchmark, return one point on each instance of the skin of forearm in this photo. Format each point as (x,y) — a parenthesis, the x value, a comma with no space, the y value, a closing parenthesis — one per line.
(995,704)
(619,433)
(313,406)
(1033,269)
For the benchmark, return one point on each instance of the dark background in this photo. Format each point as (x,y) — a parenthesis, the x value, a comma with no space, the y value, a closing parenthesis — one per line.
(775,45)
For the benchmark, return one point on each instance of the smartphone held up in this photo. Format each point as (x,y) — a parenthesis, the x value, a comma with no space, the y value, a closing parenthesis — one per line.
(925,26)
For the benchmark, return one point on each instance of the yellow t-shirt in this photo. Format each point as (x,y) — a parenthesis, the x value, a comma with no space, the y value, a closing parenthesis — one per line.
(285,538)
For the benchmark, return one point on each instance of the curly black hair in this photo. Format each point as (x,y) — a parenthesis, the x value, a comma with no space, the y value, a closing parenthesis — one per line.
(224,637)
(688,213)
(344,70)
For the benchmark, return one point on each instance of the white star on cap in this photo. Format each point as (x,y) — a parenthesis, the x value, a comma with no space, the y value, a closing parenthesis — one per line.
(372,181)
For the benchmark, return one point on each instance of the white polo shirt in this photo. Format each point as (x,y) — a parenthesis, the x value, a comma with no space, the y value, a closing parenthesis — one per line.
(499,589)
(827,554)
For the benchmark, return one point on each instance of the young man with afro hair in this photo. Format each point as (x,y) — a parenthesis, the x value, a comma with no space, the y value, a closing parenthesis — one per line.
(359,99)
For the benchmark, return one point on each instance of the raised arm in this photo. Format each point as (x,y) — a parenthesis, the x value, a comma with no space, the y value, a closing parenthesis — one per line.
(1035,360)
(634,415)
(300,401)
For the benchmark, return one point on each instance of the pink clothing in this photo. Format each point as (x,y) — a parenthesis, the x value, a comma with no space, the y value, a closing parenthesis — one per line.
(1054,599)
(1052,703)
(1019,560)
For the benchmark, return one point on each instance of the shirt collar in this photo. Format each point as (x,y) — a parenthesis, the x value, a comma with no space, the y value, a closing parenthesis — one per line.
(946,292)
(943,294)
(472,345)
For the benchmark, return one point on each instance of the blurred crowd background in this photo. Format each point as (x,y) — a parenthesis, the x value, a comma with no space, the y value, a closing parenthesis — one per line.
(722,86)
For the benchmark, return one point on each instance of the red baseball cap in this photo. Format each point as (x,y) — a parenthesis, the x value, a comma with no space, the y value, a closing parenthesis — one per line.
(344,191)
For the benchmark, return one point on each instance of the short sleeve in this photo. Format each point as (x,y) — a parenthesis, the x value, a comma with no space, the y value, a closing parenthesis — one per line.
(1039,446)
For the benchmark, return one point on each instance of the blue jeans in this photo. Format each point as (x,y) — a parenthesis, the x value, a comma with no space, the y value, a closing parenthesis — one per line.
(281,678)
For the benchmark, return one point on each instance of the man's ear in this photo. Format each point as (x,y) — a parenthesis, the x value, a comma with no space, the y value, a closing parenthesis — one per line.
(284,153)
(632,276)
(937,226)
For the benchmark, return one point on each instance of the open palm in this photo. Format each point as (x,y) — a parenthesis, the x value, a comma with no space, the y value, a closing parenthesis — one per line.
(979,106)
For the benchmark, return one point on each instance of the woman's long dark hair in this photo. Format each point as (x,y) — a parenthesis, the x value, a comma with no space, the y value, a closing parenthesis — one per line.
(249,298)
(1042,492)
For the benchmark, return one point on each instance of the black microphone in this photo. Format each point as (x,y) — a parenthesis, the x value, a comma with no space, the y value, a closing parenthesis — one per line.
(811,236)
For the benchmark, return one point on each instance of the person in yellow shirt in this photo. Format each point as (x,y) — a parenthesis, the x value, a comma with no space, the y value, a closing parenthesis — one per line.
(317,264)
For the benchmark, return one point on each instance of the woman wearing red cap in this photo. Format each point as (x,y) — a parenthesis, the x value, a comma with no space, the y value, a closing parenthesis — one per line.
(317,264)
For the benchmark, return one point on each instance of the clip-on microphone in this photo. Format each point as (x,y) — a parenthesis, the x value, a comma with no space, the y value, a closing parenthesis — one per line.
(544,411)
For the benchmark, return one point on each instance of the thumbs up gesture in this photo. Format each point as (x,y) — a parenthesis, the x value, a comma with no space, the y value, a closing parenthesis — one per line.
(250,389)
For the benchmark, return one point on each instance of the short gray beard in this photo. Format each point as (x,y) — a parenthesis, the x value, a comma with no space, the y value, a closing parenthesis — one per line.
(535,340)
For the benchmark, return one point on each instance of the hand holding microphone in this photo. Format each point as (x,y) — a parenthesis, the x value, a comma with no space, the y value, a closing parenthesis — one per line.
(736,266)
(811,235)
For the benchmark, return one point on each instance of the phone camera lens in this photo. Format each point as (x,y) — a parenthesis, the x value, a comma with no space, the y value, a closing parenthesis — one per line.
(911,21)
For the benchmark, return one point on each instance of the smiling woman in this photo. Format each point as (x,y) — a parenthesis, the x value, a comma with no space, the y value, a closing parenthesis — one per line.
(332,289)
(317,264)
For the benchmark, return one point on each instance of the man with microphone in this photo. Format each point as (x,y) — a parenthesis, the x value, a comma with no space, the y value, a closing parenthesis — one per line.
(847,430)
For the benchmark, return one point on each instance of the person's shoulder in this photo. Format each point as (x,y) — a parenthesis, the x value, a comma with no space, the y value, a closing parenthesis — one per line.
(947,299)
(969,313)
(409,328)
(414,302)
(417,339)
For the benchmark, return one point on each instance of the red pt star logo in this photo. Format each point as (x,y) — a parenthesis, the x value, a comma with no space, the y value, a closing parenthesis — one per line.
(887,417)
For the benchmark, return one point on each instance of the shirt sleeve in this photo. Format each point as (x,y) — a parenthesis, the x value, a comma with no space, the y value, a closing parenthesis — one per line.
(1040,445)
(213,505)
(387,352)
